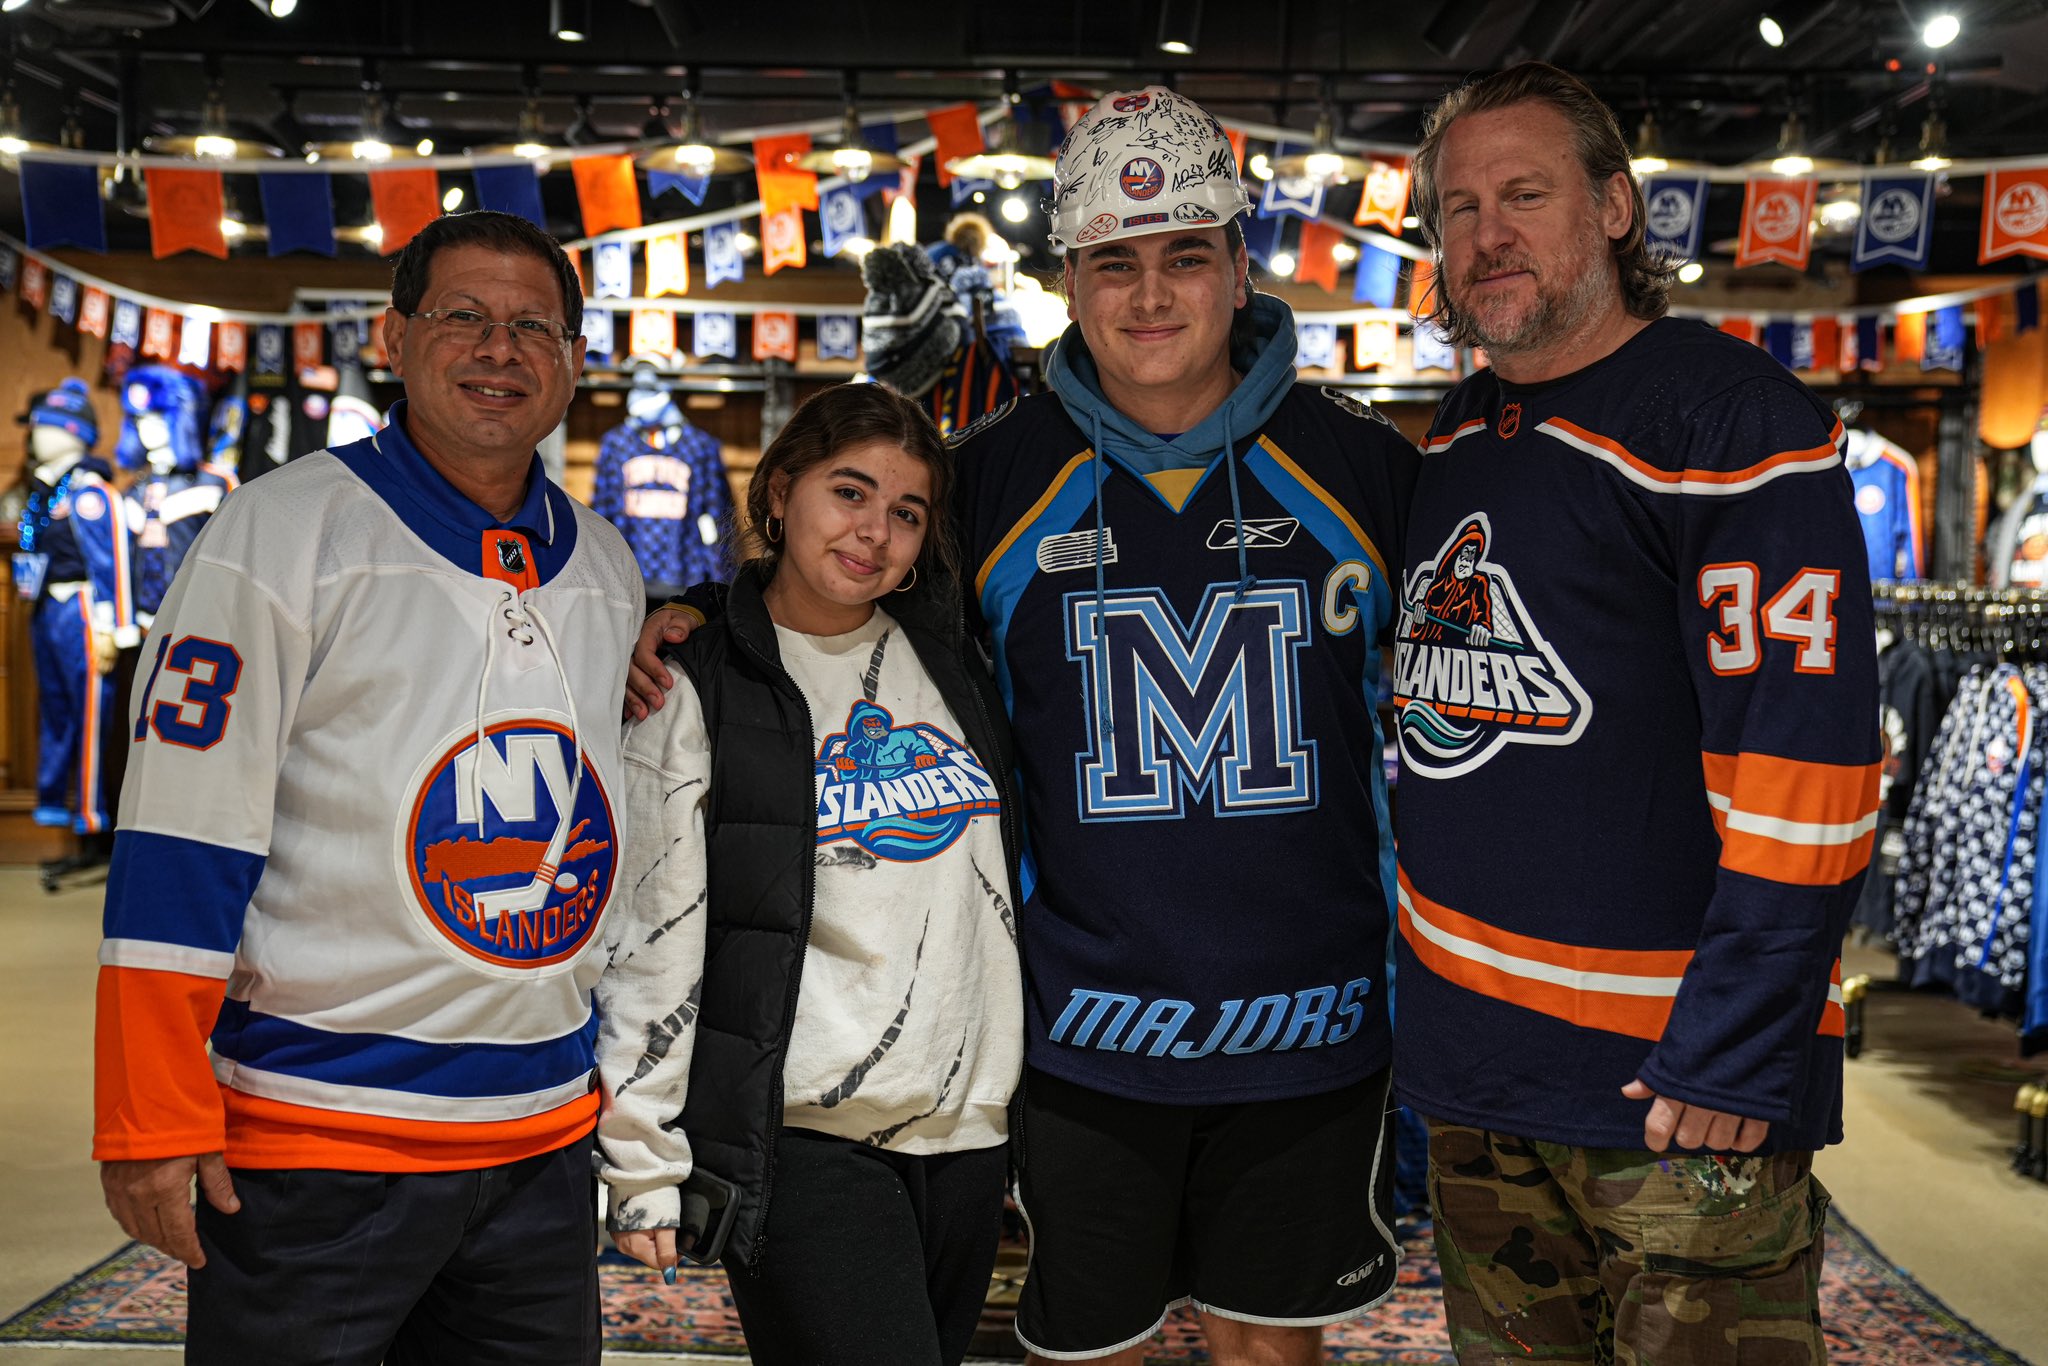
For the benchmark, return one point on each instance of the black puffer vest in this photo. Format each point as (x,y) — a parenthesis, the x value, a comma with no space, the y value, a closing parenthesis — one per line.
(761,837)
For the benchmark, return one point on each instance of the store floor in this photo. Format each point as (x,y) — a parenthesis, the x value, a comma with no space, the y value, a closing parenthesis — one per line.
(1923,1174)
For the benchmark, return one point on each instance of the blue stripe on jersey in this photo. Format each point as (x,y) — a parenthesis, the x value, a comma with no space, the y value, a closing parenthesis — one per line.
(467,1071)
(171,890)
(447,520)
(1330,532)
(1063,505)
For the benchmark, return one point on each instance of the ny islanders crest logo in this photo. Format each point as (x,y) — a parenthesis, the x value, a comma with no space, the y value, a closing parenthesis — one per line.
(902,793)
(509,852)
(1473,671)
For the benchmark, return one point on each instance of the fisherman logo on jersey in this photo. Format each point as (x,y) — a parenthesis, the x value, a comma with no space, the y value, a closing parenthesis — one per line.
(510,858)
(1473,672)
(903,793)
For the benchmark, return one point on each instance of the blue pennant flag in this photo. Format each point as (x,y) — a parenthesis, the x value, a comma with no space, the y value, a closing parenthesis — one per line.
(2026,306)
(1945,333)
(299,209)
(60,204)
(1778,341)
(1432,352)
(597,332)
(1316,345)
(1870,343)
(1897,223)
(964,190)
(840,213)
(715,334)
(881,137)
(614,265)
(127,323)
(271,344)
(347,337)
(1379,276)
(722,256)
(10,267)
(64,299)
(1675,209)
(1802,347)
(690,187)
(839,336)
(511,189)
(1262,238)
(1302,197)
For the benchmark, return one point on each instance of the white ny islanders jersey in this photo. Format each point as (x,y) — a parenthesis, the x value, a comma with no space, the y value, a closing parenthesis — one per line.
(372,804)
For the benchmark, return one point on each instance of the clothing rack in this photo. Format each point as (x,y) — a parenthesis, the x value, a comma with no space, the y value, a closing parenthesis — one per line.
(2009,622)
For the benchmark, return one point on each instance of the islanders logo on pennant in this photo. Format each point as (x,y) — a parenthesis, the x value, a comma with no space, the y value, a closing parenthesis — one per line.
(1473,673)
(902,793)
(508,849)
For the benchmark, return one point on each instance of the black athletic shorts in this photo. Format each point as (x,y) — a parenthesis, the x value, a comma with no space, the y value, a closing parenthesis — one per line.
(1271,1212)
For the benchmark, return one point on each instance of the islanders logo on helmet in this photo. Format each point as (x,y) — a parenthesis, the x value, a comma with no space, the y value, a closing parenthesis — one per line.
(1153,146)
(1473,673)
(508,846)
(902,793)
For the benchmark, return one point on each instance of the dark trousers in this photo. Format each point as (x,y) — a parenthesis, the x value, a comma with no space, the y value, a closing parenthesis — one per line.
(871,1258)
(493,1267)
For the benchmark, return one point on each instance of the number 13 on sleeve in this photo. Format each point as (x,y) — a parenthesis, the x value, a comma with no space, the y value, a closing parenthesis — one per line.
(186,701)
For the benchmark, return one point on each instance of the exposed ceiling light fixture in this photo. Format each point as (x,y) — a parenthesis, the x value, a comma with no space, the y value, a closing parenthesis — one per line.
(1770,30)
(276,9)
(380,138)
(1793,159)
(1323,163)
(531,141)
(1941,30)
(213,140)
(569,20)
(688,153)
(853,160)
(1180,26)
(1648,158)
(1933,141)
(1006,162)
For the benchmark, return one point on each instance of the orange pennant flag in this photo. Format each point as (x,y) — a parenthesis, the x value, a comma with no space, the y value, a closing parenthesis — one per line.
(654,333)
(159,334)
(1909,337)
(775,336)
(1236,138)
(1742,329)
(668,265)
(1827,344)
(1373,345)
(1422,300)
(575,255)
(782,240)
(1317,263)
(309,346)
(607,192)
(1775,218)
(231,346)
(404,202)
(93,311)
(35,283)
(2015,214)
(1384,201)
(958,130)
(185,212)
(783,183)
(1990,321)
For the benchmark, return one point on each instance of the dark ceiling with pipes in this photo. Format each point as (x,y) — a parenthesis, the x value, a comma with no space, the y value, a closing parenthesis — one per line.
(1855,72)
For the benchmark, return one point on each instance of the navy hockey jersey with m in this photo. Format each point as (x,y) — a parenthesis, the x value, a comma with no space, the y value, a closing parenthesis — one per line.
(1209,864)
(1638,721)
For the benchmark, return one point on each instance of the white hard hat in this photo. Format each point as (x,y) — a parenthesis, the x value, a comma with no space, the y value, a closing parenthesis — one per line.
(1143,161)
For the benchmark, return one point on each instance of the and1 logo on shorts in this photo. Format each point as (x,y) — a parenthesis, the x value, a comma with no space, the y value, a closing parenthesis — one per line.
(903,793)
(509,857)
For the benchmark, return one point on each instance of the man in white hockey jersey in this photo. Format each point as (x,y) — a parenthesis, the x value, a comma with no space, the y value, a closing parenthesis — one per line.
(366,842)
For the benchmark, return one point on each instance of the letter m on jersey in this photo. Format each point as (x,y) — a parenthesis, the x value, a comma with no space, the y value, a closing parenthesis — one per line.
(1208,708)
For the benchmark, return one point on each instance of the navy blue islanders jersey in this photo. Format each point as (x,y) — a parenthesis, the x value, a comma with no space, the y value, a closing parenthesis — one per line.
(1637,694)
(1209,864)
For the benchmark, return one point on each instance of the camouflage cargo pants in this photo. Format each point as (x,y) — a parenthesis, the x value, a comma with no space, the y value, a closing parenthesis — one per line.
(1597,1255)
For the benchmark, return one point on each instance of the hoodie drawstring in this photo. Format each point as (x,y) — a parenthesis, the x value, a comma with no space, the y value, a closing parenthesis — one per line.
(523,624)
(1101,596)
(1244,568)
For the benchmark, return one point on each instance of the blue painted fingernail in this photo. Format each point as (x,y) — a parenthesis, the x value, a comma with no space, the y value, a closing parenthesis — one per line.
(668,1274)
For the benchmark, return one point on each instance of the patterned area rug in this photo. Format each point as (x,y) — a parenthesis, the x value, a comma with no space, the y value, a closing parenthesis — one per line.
(1876,1315)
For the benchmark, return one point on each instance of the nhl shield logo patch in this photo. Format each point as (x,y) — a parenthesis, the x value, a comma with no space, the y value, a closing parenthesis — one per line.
(1510,420)
(508,851)
(1473,672)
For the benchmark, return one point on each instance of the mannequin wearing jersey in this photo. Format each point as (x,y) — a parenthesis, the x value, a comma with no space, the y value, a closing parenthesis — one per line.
(184,489)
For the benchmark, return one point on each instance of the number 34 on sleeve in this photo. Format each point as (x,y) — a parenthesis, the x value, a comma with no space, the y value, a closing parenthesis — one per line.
(1801,613)
(191,707)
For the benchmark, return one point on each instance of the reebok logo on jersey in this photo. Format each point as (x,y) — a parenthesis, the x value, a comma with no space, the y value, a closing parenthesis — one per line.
(903,793)
(508,854)
(1472,671)
(1259,533)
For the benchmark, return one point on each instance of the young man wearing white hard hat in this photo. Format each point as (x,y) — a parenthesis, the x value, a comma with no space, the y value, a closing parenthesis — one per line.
(1179,557)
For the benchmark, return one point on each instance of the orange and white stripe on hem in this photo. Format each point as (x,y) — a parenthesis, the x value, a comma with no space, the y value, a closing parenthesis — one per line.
(1791,820)
(1710,482)
(1618,991)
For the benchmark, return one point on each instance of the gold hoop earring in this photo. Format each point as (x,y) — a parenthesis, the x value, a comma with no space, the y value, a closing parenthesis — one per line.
(909,583)
(771,529)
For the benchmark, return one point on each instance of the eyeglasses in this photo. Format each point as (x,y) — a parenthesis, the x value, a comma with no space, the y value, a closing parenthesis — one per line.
(532,334)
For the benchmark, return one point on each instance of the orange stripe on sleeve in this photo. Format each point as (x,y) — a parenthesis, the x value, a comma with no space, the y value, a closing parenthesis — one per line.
(1790,820)
(1675,478)
(1794,789)
(153,1089)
